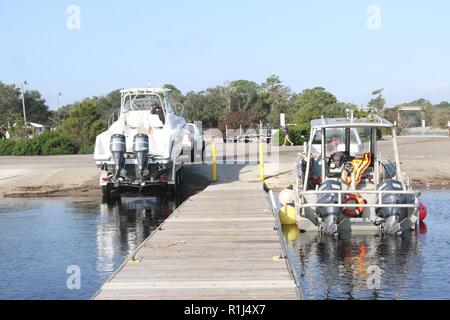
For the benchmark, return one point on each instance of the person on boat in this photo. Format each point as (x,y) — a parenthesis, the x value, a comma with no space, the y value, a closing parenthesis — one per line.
(286,136)
(333,145)
(158,110)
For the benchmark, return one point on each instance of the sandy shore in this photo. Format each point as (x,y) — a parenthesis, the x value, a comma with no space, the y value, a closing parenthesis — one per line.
(48,175)
(71,175)
(426,160)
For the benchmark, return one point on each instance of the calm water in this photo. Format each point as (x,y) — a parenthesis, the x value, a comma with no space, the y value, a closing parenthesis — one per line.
(41,238)
(414,267)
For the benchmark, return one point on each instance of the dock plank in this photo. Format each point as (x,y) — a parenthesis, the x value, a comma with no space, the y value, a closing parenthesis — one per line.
(220,244)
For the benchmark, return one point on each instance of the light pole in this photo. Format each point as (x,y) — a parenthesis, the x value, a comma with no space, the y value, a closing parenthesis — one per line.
(57,103)
(57,98)
(23,103)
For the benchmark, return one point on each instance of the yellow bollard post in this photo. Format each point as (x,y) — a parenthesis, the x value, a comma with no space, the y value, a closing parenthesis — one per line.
(214,163)
(261,161)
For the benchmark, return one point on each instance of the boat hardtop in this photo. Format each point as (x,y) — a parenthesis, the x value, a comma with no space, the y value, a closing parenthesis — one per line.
(376,122)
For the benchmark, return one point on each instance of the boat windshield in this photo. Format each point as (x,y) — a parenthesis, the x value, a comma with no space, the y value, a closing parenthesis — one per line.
(142,103)
(335,141)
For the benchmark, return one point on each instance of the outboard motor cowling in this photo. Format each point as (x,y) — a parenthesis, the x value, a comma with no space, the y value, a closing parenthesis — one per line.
(329,198)
(140,149)
(391,198)
(392,215)
(117,146)
(329,214)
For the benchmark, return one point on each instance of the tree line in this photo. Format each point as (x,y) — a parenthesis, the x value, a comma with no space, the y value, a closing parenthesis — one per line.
(240,103)
(233,104)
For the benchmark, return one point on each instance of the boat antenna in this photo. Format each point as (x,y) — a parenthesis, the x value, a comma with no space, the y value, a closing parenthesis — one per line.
(148,83)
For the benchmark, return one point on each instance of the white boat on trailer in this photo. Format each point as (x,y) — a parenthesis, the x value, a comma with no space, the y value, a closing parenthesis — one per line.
(343,184)
(141,147)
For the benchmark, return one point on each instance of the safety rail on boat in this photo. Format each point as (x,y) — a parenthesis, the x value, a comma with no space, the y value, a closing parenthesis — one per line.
(113,117)
(379,204)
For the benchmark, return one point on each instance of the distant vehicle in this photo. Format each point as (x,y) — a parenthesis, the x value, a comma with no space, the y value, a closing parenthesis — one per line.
(142,146)
(266,135)
(246,137)
(232,135)
(234,139)
(193,141)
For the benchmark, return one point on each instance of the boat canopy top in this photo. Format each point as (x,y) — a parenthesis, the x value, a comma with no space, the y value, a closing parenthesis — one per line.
(163,91)
(145,91)
(138,99)
(376,122)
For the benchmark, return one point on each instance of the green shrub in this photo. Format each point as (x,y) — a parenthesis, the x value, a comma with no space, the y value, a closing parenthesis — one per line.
(6,147)
(48,143)
(26,147)
(58,144)
(86,149)
(83,124)
(297,134)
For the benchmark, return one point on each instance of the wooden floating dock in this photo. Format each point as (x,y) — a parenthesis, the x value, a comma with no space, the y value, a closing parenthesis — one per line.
(219,244)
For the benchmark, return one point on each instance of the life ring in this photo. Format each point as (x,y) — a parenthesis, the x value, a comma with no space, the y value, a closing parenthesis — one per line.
(354,212)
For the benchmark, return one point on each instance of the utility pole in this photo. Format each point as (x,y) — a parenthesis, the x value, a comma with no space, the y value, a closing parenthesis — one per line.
(23,102)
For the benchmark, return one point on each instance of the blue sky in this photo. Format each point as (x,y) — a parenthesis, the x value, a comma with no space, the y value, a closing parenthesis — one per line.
(198,44)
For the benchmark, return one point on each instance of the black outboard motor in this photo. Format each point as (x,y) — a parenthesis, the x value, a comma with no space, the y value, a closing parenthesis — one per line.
(329,215)
(140,149)
(392,215)
(117,147)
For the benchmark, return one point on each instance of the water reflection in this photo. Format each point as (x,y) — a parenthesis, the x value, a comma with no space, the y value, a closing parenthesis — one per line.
(414,267)
(331,269)
(126,222)
(42,237)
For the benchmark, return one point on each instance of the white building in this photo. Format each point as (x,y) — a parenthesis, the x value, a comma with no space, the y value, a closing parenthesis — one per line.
(36,128)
